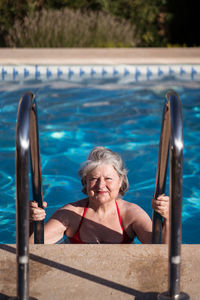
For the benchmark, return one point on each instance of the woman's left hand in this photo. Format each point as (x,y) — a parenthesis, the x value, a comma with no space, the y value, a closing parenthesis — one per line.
(161,206)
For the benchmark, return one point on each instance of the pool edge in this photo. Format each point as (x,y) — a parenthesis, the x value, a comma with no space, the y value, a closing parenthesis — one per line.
(109,56)
(100,271)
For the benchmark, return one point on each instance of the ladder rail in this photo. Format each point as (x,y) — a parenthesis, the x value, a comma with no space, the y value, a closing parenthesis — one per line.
(26,138)
(171,144)
(176,170)
(36,174)
(161,172)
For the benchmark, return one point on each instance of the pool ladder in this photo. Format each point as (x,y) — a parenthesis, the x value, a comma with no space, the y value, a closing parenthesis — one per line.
(27,141)
(27,144)
(171,140)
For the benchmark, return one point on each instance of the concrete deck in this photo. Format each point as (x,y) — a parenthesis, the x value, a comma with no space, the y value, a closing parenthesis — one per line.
(99,271)
(100,56)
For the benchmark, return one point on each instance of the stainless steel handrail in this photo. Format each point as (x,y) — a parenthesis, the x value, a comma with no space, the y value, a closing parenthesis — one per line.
(171,138)
(36,175)
(26,139)
(161,172)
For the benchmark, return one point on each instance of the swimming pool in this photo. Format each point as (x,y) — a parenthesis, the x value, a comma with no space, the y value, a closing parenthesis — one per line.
(119,107)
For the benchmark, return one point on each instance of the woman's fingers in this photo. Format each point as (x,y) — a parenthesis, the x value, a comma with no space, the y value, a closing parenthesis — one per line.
(36,213)
(161,205)
(44,204)
(35,204)
(163,197)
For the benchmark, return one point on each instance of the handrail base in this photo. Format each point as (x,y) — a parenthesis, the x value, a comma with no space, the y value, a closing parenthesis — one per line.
(165,296)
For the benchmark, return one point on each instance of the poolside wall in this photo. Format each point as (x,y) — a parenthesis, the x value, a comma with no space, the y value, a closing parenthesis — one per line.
(100,56)
(99,271)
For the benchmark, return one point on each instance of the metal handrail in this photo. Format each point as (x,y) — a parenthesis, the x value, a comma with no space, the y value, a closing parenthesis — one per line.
(26,142)
(161,172)
(171,138)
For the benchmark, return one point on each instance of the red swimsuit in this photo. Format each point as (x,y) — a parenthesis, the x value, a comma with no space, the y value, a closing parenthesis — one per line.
(76,238)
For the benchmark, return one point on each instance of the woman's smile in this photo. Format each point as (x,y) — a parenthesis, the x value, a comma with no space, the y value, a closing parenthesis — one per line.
(101,192)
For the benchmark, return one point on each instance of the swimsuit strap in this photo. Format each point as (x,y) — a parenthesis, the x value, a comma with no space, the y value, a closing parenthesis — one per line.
(75,239)
(126,238)
(119,216)
(83,215)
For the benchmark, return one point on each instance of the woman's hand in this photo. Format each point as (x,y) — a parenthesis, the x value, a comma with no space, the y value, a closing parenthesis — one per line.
(36,213)
(161,206)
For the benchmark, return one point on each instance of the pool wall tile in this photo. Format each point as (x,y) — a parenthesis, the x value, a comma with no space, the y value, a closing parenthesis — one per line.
(79,73)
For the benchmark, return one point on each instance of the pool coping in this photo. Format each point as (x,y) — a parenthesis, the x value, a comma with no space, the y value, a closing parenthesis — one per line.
(77,56)
(99,271)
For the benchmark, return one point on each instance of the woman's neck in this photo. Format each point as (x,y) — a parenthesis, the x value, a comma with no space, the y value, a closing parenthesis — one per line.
(103,208)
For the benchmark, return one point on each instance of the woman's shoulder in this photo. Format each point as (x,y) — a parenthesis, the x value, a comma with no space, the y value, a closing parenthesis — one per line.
(70,214)
(131,215)
(77,206)
(130,210)
(127,206)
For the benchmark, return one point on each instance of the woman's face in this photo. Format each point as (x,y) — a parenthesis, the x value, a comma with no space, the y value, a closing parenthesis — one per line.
(103,183)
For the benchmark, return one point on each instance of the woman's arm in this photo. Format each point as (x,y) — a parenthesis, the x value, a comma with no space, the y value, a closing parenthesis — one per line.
(142,224)
(53,229)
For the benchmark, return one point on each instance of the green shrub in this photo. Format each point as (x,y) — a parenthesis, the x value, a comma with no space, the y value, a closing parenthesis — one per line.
(69,28)
(10,11)
(145,15)
(149,31)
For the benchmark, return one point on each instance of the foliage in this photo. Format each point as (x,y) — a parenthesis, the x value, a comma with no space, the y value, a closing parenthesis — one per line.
(155,22)
(150,30)
(145,15)
(9,12)
(69,28)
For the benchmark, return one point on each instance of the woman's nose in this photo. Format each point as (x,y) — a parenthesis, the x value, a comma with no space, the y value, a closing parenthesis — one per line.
(101,183)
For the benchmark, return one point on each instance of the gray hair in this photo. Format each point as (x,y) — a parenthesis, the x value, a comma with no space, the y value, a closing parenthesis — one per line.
(101,155)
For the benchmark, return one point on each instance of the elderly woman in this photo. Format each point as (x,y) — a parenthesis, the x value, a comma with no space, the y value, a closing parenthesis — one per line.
(103,216)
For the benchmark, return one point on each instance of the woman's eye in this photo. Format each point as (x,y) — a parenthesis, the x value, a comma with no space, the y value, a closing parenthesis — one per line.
(108,178)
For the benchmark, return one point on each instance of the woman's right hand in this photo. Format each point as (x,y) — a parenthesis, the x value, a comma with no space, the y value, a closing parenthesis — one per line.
(36,213)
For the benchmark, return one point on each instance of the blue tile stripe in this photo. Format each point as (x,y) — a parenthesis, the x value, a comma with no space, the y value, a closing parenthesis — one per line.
(78,73)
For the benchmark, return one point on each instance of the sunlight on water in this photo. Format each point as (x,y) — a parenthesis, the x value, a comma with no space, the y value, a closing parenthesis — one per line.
(58,135)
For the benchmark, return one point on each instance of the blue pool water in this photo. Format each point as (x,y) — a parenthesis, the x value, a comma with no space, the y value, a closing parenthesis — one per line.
(74,117)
